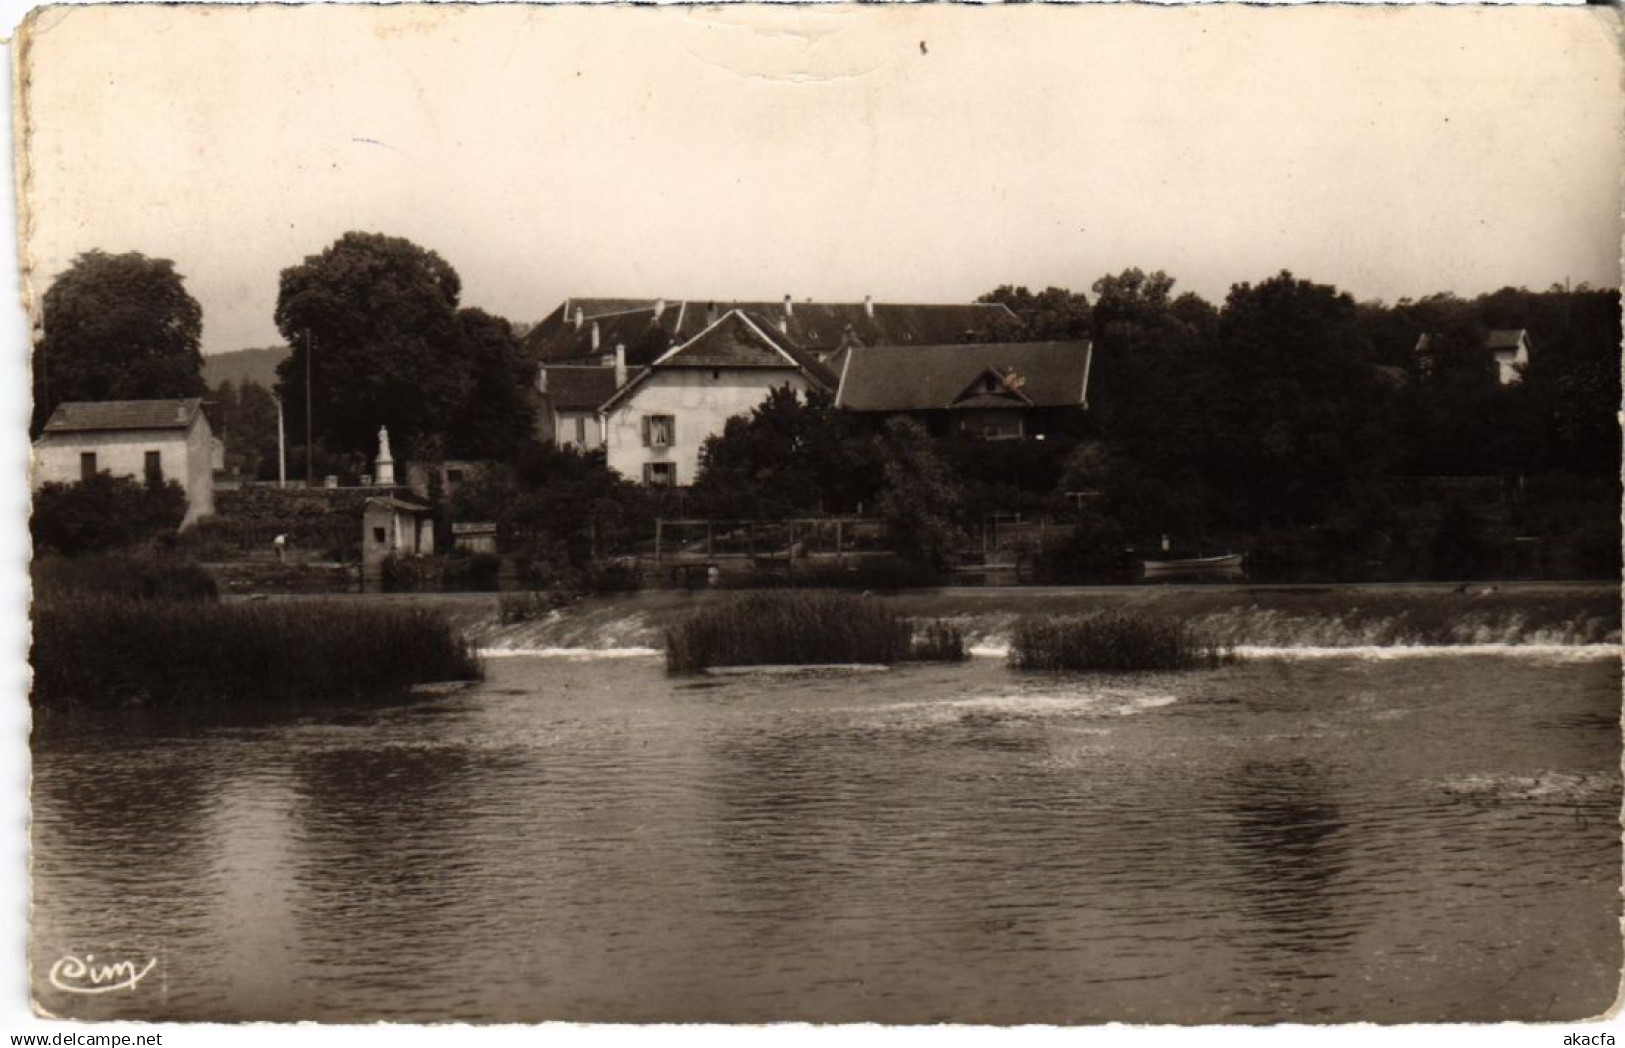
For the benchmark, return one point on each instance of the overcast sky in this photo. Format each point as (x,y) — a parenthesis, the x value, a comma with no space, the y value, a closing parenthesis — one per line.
(915,154)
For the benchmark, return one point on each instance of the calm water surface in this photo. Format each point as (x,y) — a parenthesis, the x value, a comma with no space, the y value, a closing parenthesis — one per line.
(1321,840)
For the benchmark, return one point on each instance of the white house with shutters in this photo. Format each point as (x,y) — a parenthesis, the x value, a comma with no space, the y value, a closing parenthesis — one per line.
(145,439)
(655,424)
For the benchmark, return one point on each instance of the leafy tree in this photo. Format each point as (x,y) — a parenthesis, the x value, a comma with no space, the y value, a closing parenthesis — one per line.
(1052,315)
(1293,411)
(104,512)
(920,505)
(117,327)
(387,346)
(1004,476)
(1571,388)
(1146,396)
(498,414)
(555,502)
(789,455)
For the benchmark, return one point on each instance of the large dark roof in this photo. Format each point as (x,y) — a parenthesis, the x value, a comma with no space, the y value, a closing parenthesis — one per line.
(734,341)
(818,327)
(1504,339)
(84,415)
(572,388)
(928,378)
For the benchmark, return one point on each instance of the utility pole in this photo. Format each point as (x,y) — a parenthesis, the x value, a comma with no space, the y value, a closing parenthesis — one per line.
(310,431)
(281,448)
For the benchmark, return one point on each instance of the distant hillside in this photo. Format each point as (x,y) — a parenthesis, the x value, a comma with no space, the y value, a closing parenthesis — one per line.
(253,365)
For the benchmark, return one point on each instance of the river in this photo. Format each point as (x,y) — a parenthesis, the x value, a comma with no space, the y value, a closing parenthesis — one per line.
(1428,835)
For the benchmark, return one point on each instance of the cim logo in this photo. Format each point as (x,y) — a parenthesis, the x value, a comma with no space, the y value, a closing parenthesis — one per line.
(75,974)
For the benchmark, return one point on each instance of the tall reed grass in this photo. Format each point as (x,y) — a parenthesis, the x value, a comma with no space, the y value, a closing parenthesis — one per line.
(1110,641)
(789,627)
(94,650)
(134,576)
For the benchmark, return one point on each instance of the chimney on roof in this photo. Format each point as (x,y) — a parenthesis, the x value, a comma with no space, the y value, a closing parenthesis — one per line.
(789,307)
(869,306)
(620,365)
(581,317)
(660,307)
(710,313)
(541,380)
(595,336)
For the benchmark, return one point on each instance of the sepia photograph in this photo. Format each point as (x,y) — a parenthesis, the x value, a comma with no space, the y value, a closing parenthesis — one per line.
(898,514)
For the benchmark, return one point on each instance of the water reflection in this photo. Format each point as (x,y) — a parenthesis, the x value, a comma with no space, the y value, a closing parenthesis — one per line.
(114,833)
(581,840)
(1290,851)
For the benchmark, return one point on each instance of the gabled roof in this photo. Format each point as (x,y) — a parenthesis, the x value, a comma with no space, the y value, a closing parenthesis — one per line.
(733,341)
(994,389)
(818,327)
(577,388)
(398,504)
(932,378)
(81,416)
(1507,338)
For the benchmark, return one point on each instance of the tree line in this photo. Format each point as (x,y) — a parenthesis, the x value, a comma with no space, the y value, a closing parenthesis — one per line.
(1285,411)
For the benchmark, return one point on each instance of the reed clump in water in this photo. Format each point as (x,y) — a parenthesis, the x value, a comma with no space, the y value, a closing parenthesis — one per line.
(1111,641)
(104,651)
(789,628)
(938,641)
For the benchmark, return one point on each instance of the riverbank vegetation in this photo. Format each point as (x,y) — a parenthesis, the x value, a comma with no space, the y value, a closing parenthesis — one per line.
(104,512)
(800,628)
(148,631)
(1110,641)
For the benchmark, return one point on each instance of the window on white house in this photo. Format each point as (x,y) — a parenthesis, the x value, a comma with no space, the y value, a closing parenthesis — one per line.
(454,479)
(155,467)
(660,474)
(378,535)
(581,430)
(87,465)
(659,431)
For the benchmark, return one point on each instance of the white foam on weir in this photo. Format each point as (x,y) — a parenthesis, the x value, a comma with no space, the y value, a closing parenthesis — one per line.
(818,667)
(568,653)
(1556,652)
